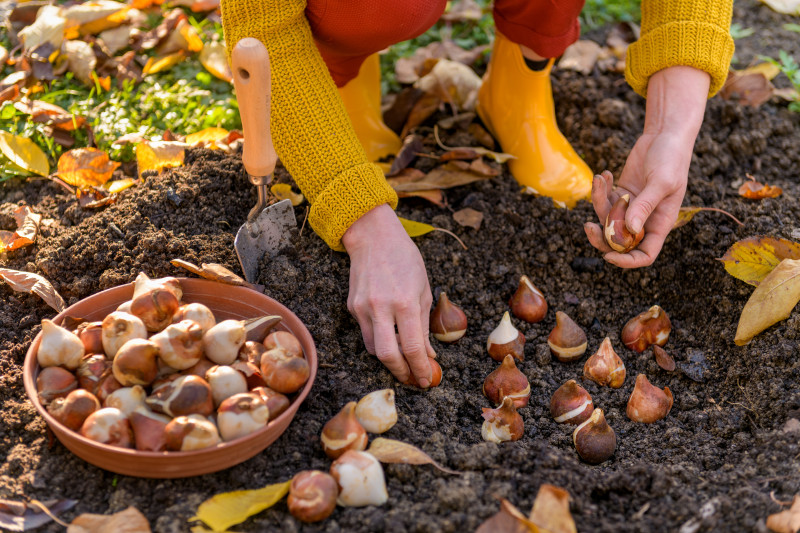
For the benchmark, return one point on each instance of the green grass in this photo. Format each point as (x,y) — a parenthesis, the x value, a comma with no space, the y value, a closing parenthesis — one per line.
(598,13)
(737,32)
(791,69)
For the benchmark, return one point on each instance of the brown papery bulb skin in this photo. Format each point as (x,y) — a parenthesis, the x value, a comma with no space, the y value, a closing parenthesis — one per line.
(197,313)
(343,432)
(648,403)
(436,375)
(663,359)
(651,327)
(594,439)
(251,373)
(73,410)
(149,430)
(54,382)
(506,339)
(312,496)
(106,385)
(571,404)
(91,335)
(155,308)
(276,402)
(186,395)
(251,352)
(448,323)
(616,232)
(285,340)
(528,302)
(605,367)
(136,363)
(567,341)
(502,424)
(507,382)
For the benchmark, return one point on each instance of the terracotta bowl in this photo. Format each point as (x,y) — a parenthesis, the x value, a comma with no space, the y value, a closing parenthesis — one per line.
(227,302)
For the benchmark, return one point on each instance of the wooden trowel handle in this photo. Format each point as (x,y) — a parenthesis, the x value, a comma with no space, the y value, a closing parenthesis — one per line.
(251,77)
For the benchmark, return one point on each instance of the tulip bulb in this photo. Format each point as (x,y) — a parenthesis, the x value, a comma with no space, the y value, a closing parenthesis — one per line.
(200,368)
(225,381)
(106,385)
(312,496)
(143,284)
(180,345)
(284,372)
(605,367)
(651,327)
(126,399)
(343,432)
(185,395)
(360,479)
(594,439)
(571,404)
(528,302)
(91,335)
(251,373)
(197,313)
(149,429)
(241,415)
(136,363)
(506,339)
(54,382)
(376,411)
(251,352)
(616,232)
(285,340)
(448,323)
(125,307)
(193,432)
(648,403)
(119,328)
(436,375)
(502,424)
(507,382)
(59,347)
(108,426)
(222,342)
(91,368)
(276,402)
(567,341)
(155,307)
(74,409)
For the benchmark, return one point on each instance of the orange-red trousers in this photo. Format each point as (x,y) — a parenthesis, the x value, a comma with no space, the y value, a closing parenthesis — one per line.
(348,31)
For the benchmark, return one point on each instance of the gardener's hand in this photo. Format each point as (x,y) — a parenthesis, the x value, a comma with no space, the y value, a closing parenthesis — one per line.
(388,287)
(657,168)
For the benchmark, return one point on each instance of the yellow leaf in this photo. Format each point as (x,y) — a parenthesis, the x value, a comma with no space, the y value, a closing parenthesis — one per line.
(751,259)
(158,155)
(767,69)
(206,135)
(113,187)
(154,65)
(230,508)
(788,7)
(283,191)
(771,302)
(193,41)
(24,153)
(215,61)
(85,167)
(395,451)
(686,214)
(415,229)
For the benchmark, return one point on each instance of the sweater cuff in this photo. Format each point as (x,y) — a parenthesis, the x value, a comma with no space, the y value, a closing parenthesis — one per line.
(704,46)
(346,199)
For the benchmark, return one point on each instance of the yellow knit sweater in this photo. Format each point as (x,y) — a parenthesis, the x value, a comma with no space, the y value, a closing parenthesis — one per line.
(312,133)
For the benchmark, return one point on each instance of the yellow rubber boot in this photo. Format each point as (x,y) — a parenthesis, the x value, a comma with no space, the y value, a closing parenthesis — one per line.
(362,99)
(516,104)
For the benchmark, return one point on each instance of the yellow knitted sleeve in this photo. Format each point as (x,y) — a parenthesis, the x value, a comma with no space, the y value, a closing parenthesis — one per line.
(694,33)
(310,127)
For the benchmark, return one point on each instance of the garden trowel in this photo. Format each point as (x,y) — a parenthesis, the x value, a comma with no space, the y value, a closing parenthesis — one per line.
(268,228)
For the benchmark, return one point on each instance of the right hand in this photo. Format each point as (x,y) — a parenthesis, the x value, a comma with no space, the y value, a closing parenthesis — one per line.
(389,286)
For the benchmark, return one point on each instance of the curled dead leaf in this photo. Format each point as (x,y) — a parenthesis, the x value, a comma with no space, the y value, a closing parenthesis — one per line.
(451,174)
(469,217)
(479,151)
(131,520)
(757,191)
(25,234)
(395,451)
(51,114)
(551,510)
(453,82)
(434,196)
(283,191)
(581,56)
(751,89)
(215,272)
(412,145)
(158,155)
(206,137)
(86,167)
(215,61)
(25,516)
(787,521)
(22,281)
(752,259)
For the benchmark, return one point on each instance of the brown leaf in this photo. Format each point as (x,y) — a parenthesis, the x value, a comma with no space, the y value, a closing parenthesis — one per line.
(81,60)
(507,520)
(131,520)
(397,114)
(158,155)
(50,113)
(24,516)
(33,283)
(94,197)
(461,55)
(479,166)
(469,217)
(751,259)
(771,302)
(412,145)
(424,107)
(215,272)
(157,35)
(27,229)
(787,521)
(116,39)
(434,196)
(551,510)
(443,177)
(481,135)
(757,191)
(751,89)
(663,359)
(497,156)
(85,167)
(686,214)
(453,82)
(409,69)
(580,56)
(459,153)
(395,451)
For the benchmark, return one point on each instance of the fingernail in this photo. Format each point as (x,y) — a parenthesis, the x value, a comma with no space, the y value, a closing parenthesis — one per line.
(424,383)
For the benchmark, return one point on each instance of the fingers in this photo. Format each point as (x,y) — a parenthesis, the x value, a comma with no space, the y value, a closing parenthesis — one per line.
(413,343)
(386,349)
(600,191)
(641,207)
(595,235)
(365,324)
(425,317)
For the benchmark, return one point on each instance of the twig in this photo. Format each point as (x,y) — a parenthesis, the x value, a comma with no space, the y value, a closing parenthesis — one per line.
(45,510)
(304,221)
(452,235)
(773,498)
(723,212)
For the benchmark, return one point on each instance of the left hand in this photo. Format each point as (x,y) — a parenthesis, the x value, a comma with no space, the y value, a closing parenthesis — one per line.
(657,168)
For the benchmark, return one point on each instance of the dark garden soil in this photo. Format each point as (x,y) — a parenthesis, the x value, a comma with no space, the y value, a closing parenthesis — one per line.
(711,465)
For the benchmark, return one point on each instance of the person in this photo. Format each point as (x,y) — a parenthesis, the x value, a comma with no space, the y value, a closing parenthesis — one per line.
(324,67)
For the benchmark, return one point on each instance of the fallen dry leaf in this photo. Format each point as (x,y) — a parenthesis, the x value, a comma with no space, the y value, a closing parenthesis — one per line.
(116,39)
(24,153)
(283,191)
(215,61)
(51,114)
(771,302)
(47,28)
(453,82)
(395,451)
(131,520)
(425,106)
(551,510)
(215,272)
(417,229)
(434,196)
(27,229)
(230,508)
(787,521)
(483,168)
(469,217)
(758,191)
(183,37)
(113,187)
(33,283)
(663,359)
(155,65)
(25,516)
(686,214)
(86,167)
(158,155)
(478,150)
(160,33)
(580,56)
(788,7)
(451,174)
(481,135)
(751,89)
(507,520)
(751,259)
(206,136)
(412,145)
(81,60)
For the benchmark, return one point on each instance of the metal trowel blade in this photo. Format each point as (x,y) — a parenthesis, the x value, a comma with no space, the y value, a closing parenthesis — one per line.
(268,233)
